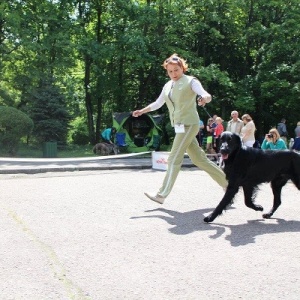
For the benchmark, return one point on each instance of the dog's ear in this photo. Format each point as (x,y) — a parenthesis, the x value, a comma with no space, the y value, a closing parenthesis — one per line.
(237,139)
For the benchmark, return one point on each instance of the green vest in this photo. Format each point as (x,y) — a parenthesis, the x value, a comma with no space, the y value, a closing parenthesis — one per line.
(182,105)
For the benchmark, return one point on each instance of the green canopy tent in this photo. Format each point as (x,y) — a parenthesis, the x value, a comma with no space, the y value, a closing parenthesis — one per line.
(141,134)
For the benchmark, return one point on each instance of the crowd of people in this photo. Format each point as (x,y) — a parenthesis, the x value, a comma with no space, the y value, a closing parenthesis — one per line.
(275,139)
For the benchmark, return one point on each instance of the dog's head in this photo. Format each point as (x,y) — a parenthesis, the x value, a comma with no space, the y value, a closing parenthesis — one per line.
(229,143)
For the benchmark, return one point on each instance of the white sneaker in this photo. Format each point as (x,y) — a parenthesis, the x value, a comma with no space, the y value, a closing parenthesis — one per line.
(156,198)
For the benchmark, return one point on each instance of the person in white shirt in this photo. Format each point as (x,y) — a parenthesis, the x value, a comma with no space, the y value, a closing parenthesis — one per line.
(247,132)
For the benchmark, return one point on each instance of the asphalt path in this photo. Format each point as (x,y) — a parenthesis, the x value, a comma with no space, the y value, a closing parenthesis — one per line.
(113,162)
(94,235)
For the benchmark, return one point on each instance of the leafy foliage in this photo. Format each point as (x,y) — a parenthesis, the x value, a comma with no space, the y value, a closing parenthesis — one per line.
(48,111)
(14,125)
(106,56)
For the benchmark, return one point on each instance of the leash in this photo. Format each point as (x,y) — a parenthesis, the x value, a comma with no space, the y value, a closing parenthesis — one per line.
(206,111)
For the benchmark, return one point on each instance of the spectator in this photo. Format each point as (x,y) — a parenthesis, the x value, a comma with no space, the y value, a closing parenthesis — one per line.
(273,141)
(209,140)
(217,134)
(297,130)
(108,135)
(200,134)
(281,128)
(214,124)
(247,132)
(296,145)
(235,125)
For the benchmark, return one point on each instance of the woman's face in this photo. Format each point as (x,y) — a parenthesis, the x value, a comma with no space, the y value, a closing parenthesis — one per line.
(174,71)
(274,135)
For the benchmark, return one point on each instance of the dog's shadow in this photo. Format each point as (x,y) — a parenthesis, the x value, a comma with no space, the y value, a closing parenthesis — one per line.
(240,235)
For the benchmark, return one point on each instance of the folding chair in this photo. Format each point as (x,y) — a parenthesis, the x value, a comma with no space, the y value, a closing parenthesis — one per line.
(120,139)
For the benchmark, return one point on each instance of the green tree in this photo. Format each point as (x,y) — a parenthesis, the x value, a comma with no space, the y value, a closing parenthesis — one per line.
(14,125)
(47,109)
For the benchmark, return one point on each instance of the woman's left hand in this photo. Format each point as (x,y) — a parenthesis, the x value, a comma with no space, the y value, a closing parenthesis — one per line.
(201,102)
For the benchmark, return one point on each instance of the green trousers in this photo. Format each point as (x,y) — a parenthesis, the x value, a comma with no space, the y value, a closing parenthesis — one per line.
(187,142)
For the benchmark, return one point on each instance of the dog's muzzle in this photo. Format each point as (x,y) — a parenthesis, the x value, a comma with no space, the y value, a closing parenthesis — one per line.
(224,151)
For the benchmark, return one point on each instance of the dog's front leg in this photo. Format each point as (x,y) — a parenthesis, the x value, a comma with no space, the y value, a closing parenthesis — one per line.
(225,202)
(249,195)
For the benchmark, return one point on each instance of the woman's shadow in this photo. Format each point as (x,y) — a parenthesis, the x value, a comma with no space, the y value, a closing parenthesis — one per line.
(241,234)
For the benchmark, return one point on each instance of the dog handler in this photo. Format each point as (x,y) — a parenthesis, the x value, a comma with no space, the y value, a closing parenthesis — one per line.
(180,96)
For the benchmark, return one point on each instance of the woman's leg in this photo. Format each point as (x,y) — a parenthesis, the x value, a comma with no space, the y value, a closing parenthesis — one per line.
(199,158)
(180,144)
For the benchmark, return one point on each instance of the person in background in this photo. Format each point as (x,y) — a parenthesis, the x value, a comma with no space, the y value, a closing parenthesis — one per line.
(200,134)
(218,131)
(296,144)
(273,141)
(179,93)
(108,135)
(297,130)
(235,125)
(247,132)
(209,139)
(281,128)
(214,124)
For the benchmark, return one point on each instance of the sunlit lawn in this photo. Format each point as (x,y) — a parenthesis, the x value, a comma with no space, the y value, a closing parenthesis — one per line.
(69,151)
(28,151)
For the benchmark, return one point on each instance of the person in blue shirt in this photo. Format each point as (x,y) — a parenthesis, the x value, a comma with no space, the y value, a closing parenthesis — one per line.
(273,141)
(296,144)
(108,135)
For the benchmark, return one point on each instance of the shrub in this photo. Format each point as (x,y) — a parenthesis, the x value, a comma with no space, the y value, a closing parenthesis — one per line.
(14,125)
(79,134)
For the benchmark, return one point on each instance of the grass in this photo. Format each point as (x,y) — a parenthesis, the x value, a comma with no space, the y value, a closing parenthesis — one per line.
(69,151)
(30,151)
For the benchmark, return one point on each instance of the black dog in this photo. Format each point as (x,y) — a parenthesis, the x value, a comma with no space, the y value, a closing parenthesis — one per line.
(248,167)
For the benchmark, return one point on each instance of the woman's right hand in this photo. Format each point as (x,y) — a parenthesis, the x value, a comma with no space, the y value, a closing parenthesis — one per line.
(137,113)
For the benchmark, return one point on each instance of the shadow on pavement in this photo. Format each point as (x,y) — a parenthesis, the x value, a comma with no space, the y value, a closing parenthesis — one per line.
(240,234)
(185,222)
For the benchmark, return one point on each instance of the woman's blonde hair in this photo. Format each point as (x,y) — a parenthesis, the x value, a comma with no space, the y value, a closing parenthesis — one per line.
(275,131)
(298,124)
(247,117)
(174,59)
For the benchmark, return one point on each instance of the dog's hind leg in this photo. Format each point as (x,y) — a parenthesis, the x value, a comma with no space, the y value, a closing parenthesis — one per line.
(276,186)
(250,194)
(225,202)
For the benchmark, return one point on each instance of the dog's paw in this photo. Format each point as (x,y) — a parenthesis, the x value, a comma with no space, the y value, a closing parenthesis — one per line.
(208,219)
(267,216)
(259,208)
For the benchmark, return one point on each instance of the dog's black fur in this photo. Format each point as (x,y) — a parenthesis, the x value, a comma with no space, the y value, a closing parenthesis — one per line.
(105,149)
(249,167)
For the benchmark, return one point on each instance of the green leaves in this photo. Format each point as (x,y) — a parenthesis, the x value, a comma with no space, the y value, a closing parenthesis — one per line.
(106,56)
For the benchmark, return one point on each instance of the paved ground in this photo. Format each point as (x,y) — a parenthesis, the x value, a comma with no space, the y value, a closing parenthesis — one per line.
(114,162)
(94,235)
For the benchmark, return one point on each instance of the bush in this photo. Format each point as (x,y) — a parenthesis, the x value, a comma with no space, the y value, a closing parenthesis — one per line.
(14,124)
(79,134)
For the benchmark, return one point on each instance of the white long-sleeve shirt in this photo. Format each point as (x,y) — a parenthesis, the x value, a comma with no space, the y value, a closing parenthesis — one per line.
(196,86)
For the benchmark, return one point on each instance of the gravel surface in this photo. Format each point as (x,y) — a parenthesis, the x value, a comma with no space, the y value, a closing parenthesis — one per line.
(94,235)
